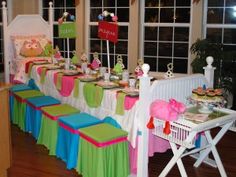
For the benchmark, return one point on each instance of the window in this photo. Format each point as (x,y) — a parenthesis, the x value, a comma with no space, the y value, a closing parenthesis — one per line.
(220,23)
(60,6)
(119,8)
(165,34)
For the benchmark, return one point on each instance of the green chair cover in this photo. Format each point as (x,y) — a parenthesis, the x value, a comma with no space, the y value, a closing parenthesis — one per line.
(49,128)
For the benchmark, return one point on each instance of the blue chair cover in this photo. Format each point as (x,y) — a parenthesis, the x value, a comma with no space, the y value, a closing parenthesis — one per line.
(16,88)
(112,122)
(67,142)
(33,116)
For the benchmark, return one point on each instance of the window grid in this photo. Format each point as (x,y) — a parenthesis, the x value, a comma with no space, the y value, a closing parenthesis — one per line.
(156,59)
(223,25)
(101,48)
(59,8)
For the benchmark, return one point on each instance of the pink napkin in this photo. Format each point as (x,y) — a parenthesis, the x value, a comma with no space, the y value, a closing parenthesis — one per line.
(129,102)
(67,84)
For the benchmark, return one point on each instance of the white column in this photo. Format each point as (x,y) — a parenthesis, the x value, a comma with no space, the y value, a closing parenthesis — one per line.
(144,97)
(51,19)
(209,71)
(6,58)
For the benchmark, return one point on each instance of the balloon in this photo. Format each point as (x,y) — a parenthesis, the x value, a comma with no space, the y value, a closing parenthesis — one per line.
(100,17)
(115,18)
(72,17)
(60,21)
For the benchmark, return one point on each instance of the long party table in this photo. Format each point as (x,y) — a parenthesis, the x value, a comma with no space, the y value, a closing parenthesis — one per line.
(127,121)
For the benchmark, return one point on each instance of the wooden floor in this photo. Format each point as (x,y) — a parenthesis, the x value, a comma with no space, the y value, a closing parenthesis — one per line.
(31,160)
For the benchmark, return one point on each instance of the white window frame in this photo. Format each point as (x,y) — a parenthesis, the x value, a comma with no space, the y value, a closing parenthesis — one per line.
(87,31)
(143,25)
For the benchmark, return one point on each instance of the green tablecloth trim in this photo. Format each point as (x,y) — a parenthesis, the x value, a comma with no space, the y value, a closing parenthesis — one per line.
(19,113)
(61,109)
(48,134)
(59,81)
(93,95)
(110,161)
(76,88)
(120,103)
(43,74)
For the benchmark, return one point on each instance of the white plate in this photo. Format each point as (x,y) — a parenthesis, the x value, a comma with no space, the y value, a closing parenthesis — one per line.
(131,92)
(70,72)
(52,67)
(40,62)
(87,78)
(107,85)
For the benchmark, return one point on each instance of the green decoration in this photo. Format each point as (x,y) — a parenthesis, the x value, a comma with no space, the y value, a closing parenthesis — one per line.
(67,30)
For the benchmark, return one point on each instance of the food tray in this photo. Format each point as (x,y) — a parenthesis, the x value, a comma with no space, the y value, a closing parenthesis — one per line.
(70,72)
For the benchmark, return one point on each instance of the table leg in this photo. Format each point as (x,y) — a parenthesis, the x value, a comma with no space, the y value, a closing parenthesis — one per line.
(213,149)
(177,157)
(179,161)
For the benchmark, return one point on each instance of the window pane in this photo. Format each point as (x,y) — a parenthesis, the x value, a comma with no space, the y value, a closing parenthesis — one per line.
(167,3)
(183,2)
(230,3)
(180,66)
(95,46)
(180,50)
(230,16)
(167,15)
(152,63)
(214,34)
(151,15)
(182,15)
(104,47)
(94,14)
(181,34)
(151,3)
(165,49)
(58,3)
(122,47)
(93,32)
(150,33)
(122,3)
(70,3)
(166,33)
(162,64)
(108,3)
(150,48)
(123,14)
(230,36)
(215,3)
(215,15)
(123,32)
(96,3)
(46,3)
(229,47)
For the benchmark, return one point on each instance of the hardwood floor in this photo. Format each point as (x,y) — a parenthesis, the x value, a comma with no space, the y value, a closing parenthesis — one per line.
(31,160)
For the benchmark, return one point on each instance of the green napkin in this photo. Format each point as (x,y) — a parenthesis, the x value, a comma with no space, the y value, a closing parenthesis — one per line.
(76,87)
(43,74)
(93,95)
(59,80)
(120,103)
(30,69)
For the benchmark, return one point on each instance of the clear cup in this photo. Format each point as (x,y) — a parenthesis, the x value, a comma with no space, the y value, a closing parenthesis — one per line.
(132,83)
(102,70)
(106,77)
(125,76)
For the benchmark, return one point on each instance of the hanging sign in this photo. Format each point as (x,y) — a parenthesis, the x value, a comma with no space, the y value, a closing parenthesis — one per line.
(108,31)
(67,30)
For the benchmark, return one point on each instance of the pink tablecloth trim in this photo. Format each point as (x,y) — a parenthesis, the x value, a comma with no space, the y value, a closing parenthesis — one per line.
(156,144)
(67,84)
(71,130)
(129,102)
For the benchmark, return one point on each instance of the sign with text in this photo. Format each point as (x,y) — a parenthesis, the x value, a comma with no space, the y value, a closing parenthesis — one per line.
(108,31)
(67,30)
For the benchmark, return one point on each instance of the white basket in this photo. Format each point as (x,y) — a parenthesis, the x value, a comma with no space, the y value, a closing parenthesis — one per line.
(180,130)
